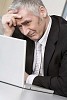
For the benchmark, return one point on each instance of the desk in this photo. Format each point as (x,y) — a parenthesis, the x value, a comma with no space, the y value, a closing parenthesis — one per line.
(8,92)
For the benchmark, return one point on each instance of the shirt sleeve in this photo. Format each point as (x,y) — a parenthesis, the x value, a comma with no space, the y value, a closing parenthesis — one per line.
(30,78)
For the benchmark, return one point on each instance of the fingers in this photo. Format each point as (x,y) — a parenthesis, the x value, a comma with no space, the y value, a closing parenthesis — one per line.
(13,11)
(10,19)
(13,19)
(12,22)
(9,22)
(17,16)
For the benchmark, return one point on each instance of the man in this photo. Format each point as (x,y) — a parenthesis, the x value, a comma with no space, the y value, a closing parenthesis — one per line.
(46,55)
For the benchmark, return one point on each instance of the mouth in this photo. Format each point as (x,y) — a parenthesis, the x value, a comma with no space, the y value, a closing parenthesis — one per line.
(31,34)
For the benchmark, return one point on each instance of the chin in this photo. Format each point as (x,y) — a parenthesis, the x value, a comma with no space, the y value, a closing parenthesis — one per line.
(34,38)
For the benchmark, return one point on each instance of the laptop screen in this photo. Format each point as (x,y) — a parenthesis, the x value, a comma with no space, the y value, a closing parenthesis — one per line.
(12,60)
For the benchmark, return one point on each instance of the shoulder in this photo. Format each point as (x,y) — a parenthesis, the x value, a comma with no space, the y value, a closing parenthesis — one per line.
(60,21)
(59,26)
(62,33)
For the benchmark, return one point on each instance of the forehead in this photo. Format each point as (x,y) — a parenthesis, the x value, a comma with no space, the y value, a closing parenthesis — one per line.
(25,14)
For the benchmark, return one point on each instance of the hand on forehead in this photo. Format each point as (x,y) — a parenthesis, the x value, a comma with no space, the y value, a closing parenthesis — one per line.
(15,13)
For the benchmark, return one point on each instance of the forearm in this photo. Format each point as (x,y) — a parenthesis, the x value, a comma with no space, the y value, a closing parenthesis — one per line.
(58,84)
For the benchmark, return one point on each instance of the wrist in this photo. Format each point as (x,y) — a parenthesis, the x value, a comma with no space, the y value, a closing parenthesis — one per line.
(8,33)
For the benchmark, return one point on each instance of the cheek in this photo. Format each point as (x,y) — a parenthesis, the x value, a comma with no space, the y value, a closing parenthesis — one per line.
(37,29)
(39,32)
(21,30)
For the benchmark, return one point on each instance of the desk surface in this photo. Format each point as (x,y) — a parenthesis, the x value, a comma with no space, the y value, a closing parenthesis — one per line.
(8,92)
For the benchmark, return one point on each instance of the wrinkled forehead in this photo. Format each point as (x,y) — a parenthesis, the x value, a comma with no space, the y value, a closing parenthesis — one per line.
(25,15)
(24,11)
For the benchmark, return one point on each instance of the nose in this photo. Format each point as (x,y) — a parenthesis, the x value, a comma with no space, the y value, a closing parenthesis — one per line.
(25,30)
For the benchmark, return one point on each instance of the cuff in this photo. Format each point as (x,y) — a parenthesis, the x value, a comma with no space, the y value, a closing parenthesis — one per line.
(30,79)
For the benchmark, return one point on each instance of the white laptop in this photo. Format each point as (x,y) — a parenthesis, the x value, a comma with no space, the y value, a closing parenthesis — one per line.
(12,63)
(12,60)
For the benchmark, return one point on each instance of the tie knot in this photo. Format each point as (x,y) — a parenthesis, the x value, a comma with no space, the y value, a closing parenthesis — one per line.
(38,46)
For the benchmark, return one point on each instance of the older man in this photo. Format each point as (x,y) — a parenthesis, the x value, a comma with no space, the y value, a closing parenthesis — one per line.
(46,55)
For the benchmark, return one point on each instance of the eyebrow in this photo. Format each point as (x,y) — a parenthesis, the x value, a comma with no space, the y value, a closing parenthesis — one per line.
(25,22)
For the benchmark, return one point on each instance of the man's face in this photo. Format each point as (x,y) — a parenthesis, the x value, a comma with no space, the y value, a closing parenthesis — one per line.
(30,25)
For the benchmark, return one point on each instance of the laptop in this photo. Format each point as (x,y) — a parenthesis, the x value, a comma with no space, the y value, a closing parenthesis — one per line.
(12,60)
(12,63)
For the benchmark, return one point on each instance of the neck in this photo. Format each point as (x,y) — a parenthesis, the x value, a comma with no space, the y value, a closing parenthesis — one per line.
(47,19)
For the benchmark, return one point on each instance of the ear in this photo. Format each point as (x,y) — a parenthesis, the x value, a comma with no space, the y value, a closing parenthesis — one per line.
(42,11)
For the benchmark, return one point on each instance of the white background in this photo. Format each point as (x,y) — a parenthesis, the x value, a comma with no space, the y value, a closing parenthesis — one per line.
(54,7)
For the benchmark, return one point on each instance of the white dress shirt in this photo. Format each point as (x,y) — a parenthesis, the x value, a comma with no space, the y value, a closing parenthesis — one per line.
(42,42)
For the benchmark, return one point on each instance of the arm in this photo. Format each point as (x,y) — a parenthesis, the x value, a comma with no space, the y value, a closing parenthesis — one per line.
(57,83)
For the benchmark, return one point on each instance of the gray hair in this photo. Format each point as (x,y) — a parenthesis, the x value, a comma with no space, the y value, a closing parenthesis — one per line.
(31,5)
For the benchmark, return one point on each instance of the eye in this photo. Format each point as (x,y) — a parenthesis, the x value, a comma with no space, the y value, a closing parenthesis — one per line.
(26,23)
(19,26)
